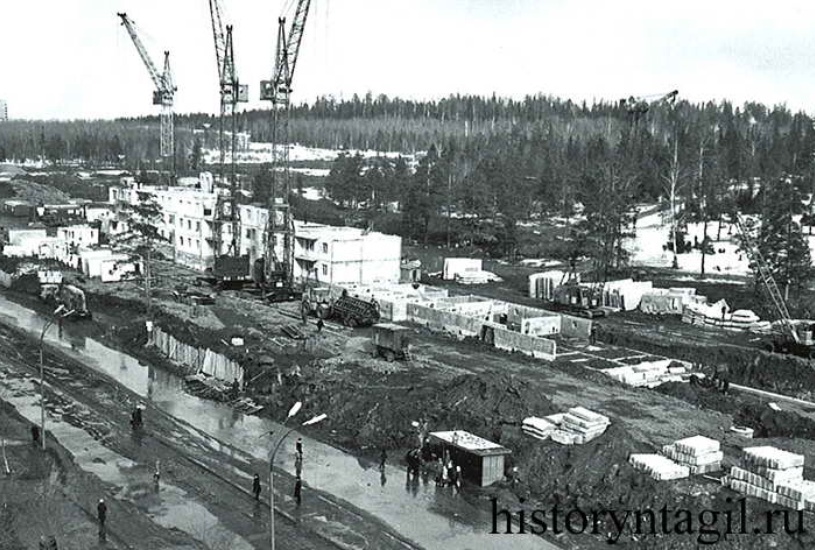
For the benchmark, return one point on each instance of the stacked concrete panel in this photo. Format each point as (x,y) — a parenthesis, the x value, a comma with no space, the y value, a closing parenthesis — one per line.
(658,467)
(579,426)
(649,374)
(774,475)
(539,428)
(700,454)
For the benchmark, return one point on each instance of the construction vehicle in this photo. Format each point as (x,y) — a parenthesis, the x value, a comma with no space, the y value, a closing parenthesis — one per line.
(163,94)
(279,267)
(317,301)
(391,342)
(788,337)
(70,297)
(351,311)
(192,297)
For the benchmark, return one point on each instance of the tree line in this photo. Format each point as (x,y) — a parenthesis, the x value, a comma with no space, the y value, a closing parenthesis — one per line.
(492,163)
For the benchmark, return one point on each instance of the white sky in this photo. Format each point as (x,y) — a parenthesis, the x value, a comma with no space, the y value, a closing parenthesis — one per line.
(72,59)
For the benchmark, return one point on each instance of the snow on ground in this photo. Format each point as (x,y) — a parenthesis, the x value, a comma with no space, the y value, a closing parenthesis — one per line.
(262,152)
(652,234)
(653,231)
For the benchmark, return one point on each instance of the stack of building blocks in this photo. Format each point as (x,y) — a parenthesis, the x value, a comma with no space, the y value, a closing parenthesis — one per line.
(539,428)
(650,374)
(700,454)
(659,467)
(765,470)
(579,426)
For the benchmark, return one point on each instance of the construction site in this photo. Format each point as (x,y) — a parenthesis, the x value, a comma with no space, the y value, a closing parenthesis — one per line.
(441,384)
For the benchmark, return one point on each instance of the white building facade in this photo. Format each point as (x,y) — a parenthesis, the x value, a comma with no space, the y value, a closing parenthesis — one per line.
(345,255)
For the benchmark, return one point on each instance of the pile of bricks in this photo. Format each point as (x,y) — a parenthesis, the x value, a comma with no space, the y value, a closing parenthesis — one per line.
(700,454)
(773,475)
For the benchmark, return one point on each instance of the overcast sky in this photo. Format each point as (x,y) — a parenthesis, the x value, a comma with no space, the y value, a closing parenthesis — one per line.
(72,59)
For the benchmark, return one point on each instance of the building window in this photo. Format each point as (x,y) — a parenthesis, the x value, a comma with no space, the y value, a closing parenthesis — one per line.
(189,224)
(197,227)
(325,248)
(325,269)
(197,244)
(207,211)
(181,241)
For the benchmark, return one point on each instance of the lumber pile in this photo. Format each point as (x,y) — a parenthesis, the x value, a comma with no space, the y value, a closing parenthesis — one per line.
(650,374)
(773,475)
(658,467)
(700,454)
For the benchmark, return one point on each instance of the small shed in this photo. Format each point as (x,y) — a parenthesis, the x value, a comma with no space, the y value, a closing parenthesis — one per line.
(481,461)
(410,271)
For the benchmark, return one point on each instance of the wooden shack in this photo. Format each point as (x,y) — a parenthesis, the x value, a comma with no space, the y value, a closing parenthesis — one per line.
(481,461)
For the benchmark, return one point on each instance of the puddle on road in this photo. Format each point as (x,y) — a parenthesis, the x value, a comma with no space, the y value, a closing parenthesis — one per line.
(424,515)
(172,507)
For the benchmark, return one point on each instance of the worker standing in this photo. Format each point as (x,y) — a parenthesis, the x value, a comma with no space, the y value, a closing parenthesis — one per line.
(320,325)
(298,446)
(298,490)
(102,515)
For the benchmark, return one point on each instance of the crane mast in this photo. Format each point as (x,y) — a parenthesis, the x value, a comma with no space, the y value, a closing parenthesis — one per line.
(231,93)
(280,270)
(163,94)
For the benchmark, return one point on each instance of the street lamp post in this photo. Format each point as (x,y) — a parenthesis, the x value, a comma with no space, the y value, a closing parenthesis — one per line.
(293,411)
(58,316)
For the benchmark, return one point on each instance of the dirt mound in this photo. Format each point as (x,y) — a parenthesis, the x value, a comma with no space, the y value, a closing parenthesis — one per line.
(379,412)
(769,423)
(701,397)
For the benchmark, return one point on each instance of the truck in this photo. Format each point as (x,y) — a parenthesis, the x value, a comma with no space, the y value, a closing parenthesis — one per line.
(391,342)
(351,311)
(69,296)
(233,272)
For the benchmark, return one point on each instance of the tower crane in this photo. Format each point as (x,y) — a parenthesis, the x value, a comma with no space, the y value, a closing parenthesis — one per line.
(279,271)
(163,94)
(232,93)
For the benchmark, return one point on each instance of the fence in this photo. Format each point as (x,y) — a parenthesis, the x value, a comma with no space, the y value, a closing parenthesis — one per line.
(196,359)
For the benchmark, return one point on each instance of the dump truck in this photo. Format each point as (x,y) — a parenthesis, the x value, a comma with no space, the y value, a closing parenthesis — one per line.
(70,297)
(577,299)
(391,342)
(351,311)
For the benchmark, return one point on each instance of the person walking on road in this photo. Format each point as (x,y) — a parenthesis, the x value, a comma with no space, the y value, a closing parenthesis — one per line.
(256,487)
(298,446)
(298,489)
(320,325)
(383,458)
(102,516)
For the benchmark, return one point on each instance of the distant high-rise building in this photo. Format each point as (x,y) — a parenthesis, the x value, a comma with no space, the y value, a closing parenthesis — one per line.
(3,110)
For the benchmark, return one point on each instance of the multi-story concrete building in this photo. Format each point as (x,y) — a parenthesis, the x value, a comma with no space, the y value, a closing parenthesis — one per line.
(336,255)
(345,255)
(3,110)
